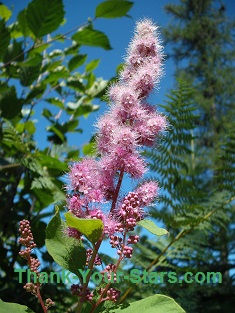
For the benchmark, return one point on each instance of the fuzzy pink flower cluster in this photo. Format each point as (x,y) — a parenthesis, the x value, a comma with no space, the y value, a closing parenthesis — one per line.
(129,124)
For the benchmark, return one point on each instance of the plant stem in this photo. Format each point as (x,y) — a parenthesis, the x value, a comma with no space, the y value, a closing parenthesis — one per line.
(90,267)
(115,271)
(115,196)
(40,300)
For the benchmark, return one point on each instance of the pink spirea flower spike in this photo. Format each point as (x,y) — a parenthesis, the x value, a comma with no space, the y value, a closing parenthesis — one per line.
(129,124)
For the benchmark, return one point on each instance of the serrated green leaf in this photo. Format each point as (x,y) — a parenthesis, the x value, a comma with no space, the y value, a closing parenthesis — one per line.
(113,8)
(77,61)
(153,304)
(4,38)
(152,228)
(5,13)
(66,251)
(92,65)
(92,37)
(44,16)
(6,307)
(91,228)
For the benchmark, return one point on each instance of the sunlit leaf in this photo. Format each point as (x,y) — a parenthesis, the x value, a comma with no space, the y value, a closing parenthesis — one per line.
(6,307)
(113,8)
(91,37)
(44,16)
(77,61)
(92,65)
(68,252)
(5,13)
(153,304)
(91,228)
(152,227)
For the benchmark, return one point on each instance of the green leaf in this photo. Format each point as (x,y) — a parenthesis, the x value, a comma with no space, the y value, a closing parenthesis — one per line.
(75,83)
(153,304)
(14,52)
(58,73)
(66,251)
(10,105)
(5,13)
(21,18)
(98,88)
(33,60)
(113,8)
(4,38)
(57,131)
(29,74)
(77,61)
(56,101)
(89,148)
(52,163)
(91,228)
(36,92)
(92,65)
(30,127)
(91,37)
(152,228)
(6,307)
(44,16)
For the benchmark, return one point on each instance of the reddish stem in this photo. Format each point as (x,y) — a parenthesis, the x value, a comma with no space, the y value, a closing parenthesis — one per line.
(116,268)
(115,196)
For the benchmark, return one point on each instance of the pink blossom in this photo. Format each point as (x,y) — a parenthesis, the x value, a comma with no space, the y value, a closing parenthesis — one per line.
(147,192)
(129,124)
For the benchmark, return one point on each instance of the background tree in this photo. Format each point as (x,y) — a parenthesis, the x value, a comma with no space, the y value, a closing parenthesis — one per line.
(202,39)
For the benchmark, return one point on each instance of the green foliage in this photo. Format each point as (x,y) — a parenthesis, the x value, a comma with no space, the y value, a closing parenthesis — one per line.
(153,304)
(152,228)
(61,87)
(91,228)
(5,13)
(69,253)
(113,8)
(91,37)
(44,16)
(14,308)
